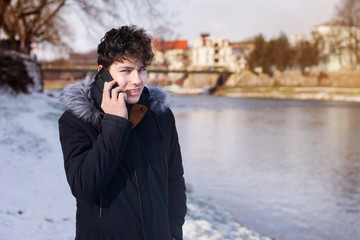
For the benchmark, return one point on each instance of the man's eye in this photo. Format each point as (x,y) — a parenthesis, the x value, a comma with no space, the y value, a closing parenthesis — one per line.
(125,70)
(142,69)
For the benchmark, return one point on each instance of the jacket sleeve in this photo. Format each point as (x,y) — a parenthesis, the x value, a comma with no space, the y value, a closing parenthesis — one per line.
(177,189)
(90,165)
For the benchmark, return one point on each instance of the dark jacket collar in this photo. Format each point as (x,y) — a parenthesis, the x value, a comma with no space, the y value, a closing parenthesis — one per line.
(78,99)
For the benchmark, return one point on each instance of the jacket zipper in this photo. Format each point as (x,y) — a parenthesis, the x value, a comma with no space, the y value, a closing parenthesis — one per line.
(100,204)
(141,216)
(167,173)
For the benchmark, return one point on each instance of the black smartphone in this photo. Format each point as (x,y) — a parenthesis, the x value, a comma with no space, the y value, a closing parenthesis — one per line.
(100,78)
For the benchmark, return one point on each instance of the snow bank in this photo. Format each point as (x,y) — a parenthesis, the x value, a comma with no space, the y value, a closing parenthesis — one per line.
(36,200)
(19,73)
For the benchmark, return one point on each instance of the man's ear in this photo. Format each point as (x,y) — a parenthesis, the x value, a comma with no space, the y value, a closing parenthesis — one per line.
(100,67)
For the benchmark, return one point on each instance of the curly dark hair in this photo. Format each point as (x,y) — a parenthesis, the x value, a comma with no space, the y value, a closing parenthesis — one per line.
(126,42)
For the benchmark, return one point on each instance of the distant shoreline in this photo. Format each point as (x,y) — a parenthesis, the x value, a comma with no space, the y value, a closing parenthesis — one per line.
(298,93)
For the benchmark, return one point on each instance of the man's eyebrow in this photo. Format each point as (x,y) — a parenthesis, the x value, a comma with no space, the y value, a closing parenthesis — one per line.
(125,67)
(131,67)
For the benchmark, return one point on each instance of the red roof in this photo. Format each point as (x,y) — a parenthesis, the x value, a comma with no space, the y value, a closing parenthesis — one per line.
(170,45)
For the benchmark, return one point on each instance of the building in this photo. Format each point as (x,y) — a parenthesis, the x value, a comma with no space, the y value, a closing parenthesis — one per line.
(216,52)
(240,50)
(171,54)
(339,45)
(297,38)
(211,52)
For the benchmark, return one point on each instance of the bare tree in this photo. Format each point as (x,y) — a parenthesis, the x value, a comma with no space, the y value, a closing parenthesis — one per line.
(35,21)
(308,54)
(274,54)
(256,58)
(346,31)
(283,53)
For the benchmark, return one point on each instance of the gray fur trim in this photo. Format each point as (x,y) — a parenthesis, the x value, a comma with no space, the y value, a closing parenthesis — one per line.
(159,99)
(78,99)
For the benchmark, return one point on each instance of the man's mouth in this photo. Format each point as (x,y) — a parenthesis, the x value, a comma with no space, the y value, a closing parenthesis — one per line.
(133,90)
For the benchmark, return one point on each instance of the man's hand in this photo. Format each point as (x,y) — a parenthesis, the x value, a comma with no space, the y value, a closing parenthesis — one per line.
(115,103)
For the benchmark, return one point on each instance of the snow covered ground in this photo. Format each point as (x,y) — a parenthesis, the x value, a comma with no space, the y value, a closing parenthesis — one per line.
(36,202)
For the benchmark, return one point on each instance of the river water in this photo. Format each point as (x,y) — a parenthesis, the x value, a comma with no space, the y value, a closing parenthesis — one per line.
(287,169)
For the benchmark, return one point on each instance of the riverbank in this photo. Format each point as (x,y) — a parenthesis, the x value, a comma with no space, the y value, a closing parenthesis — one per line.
(300,93)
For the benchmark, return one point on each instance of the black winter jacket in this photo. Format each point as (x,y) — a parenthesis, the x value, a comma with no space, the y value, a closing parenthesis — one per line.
(126,175)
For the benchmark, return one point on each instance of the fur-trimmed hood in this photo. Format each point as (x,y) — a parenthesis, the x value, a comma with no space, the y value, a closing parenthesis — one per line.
(78,99)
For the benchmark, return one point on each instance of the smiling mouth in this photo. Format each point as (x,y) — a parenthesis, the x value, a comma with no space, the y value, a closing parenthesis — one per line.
(133,90)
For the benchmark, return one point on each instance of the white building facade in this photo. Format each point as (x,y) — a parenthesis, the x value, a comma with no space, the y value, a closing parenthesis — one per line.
(336,42)
(211,52)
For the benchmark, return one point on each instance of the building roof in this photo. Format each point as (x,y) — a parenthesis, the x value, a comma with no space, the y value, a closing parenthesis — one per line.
(161,45)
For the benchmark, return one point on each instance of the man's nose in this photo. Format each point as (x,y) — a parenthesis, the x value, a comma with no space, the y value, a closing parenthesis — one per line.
(135,78)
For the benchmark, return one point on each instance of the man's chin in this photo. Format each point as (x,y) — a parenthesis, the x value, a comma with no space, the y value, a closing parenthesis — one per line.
(134,97)
(132,100)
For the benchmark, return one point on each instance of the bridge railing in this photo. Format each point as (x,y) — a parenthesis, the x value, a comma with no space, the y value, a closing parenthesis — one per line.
(93,69)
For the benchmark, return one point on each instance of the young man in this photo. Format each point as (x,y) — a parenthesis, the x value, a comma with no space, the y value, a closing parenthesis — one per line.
(122,158)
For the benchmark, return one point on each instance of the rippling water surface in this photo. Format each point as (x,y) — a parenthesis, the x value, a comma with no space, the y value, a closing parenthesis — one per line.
(287,169)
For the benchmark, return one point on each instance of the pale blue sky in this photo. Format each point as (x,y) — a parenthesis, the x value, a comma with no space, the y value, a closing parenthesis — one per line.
(239,19)
(234,20)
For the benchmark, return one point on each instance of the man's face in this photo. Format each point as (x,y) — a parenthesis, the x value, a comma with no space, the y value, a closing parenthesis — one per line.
(131,75)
